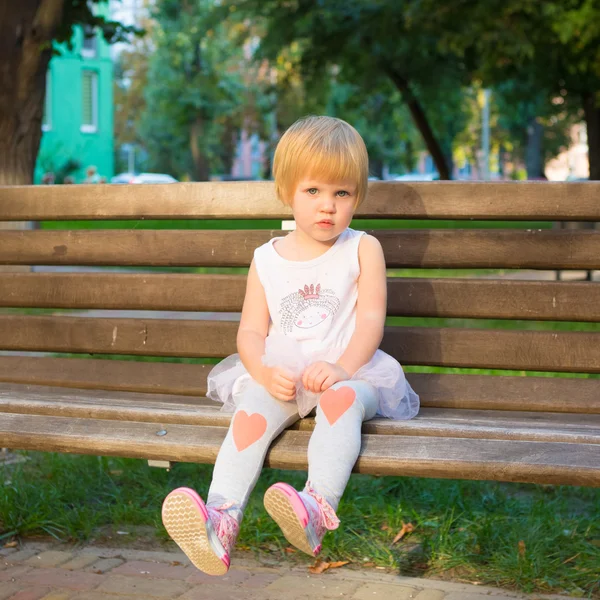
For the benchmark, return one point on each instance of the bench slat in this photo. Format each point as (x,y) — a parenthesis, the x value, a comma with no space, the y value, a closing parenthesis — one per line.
(418,248)
(256,200)
(436,390)
(460,347)
(462,458)
(466,298)
(182,410)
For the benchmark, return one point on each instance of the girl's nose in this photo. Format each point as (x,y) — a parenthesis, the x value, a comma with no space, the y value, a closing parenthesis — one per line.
(328,204)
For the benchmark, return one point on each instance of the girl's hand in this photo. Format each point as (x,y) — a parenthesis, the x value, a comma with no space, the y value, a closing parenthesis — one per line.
(321,375)
(279,383)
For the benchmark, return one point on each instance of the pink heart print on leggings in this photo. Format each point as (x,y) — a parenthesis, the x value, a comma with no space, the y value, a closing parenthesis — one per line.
(247,429)
(334,403)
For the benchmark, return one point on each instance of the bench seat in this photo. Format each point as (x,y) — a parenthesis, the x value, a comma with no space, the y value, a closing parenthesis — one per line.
(175,294)
(442,441)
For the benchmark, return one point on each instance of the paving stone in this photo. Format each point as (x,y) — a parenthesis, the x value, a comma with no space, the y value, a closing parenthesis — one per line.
(50,558)
(314,586)
(430,595)
(6,591)
(22,555)
(260,580)
(373,591)
(474,596)
(141,568)
(549,597)
(104,565)
(152,588)
(58,595)
(98,596)
(33,593)
(233,576)
(8,551)
(129,554)
(13,573)
(60,578)
(79,562)
(219,592)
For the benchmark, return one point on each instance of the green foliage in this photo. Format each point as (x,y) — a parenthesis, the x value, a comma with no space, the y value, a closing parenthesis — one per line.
(81,12)
(201,91)
(542,57)
(58,161)
(368,46)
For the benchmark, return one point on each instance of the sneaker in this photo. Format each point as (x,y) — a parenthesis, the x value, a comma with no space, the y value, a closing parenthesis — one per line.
(206,535)
(304,517)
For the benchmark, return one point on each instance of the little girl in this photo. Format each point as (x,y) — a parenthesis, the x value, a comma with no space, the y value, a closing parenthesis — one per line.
(311,325)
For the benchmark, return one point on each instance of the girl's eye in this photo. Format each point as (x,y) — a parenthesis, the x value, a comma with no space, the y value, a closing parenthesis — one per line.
(312,191)
(344,193)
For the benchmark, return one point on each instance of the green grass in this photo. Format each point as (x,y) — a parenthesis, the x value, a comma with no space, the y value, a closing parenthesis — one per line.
(464,530)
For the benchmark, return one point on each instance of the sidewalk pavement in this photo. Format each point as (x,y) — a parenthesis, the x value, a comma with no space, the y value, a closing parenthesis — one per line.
(56,571)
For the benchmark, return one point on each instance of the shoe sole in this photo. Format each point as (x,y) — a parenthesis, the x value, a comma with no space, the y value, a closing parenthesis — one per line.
(286,508)
(186,520)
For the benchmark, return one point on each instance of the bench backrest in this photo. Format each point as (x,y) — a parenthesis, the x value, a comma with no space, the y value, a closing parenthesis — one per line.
(219,290)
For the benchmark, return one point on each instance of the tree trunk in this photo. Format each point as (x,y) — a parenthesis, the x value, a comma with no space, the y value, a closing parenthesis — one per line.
(534,152)
(592,118)
(420,119)
(228,146)
(376,168)
(200,164)
(27,29)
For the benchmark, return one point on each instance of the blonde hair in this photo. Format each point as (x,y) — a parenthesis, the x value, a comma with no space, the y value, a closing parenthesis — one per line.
(323,148)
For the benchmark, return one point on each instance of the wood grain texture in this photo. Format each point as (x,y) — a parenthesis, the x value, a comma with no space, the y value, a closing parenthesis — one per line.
(417,248)
(182,410)
(419,456)
(551,201)
(422,297)
(436,390)
(477,348)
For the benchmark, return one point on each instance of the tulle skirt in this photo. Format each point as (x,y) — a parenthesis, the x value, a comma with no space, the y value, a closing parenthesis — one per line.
(397,400)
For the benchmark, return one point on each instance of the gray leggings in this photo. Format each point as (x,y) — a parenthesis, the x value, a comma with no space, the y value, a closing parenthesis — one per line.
(259,418)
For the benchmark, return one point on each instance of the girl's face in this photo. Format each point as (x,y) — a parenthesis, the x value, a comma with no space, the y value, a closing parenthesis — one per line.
(323,210)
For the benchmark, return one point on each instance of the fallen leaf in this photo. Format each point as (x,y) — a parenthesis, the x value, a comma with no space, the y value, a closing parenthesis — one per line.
(175,563)
(385,527)
(338,564)
(521,548)
(289,550)
(12,544)
(368,564)
(119,472)
(406,528)
(321,565)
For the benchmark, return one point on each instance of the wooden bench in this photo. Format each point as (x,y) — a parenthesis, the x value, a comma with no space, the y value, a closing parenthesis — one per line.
(471,426)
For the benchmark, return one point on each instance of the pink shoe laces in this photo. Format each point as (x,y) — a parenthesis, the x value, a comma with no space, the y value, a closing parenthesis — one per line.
(226,526)
(328,516)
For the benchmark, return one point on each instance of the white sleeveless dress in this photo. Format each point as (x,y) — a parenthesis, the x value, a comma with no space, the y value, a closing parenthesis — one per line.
(312,305)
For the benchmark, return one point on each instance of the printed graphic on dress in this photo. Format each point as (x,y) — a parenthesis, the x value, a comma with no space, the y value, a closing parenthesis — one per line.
(307,308)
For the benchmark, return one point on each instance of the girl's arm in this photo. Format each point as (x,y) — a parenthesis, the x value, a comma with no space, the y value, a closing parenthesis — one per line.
(254,326)
(370,307)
